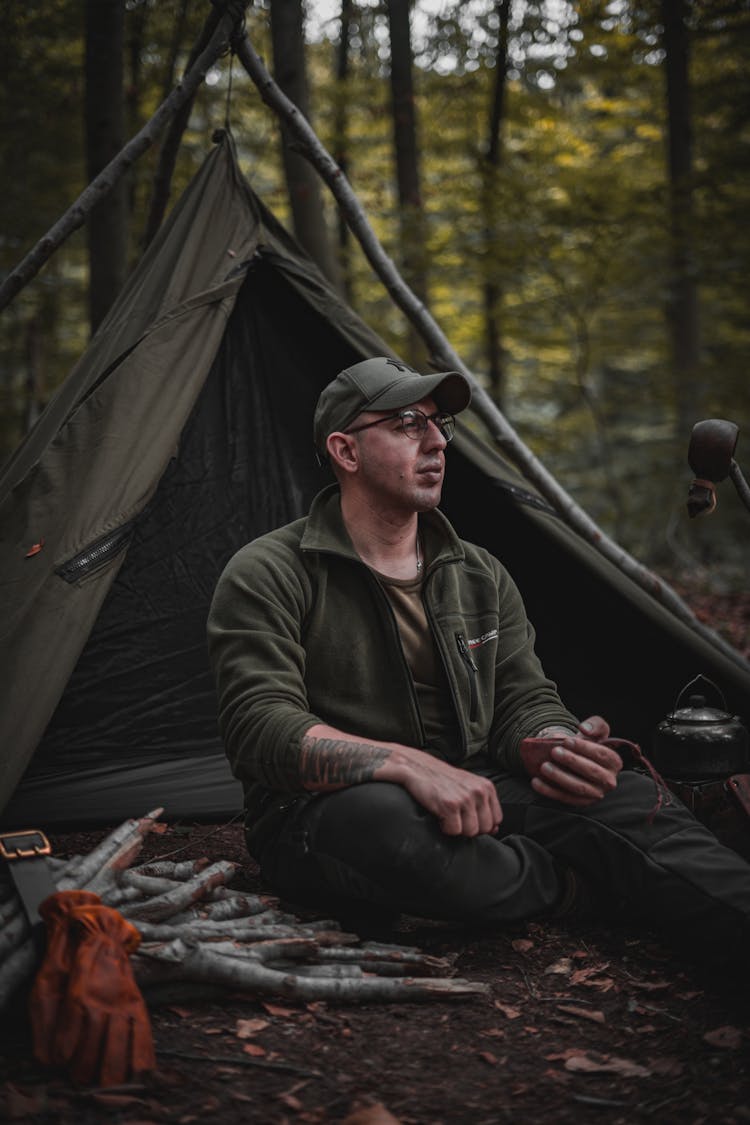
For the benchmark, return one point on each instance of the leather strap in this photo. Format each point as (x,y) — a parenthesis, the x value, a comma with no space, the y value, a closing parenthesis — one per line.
(24,854)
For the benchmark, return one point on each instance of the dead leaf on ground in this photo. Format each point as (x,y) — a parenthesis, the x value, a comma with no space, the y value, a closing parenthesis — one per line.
(585,1013)
(606,1064)
(650,985)
(291,1102)
(602,984)
(667,1067)
(509,1010)
(563,967)
(275,1010)
(254,1049)
(582,975)
(730,1038)
(371,1115)
(245,1029)
(488,1057)
(493,1033)
(522,944)
(568,1053)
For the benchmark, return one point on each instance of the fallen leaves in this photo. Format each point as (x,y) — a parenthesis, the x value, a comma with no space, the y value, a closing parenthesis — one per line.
(371,1115)
(510,1011)
(563,967)
(245,1029)
(583,1013)
(590,1062)
(727,1037)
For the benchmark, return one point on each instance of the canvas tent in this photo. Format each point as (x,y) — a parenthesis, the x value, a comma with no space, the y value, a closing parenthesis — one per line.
(185,431)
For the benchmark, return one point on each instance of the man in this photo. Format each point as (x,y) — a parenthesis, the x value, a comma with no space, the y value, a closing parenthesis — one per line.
(379,691)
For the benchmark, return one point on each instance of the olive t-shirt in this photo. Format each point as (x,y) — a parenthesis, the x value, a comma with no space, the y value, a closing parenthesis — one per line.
(430,681)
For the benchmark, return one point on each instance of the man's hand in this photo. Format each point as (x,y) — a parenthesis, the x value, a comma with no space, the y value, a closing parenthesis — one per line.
(572,769)
(464,804)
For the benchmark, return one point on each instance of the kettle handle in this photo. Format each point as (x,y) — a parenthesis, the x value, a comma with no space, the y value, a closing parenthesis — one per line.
(696,680)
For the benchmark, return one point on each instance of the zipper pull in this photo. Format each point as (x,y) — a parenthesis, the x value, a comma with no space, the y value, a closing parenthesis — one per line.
(468,659)
(465,651)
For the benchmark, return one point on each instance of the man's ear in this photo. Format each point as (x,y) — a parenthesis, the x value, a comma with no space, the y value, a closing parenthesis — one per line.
(343,451)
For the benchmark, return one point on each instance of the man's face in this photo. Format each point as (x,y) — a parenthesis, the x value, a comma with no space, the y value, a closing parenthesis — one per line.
(399,471)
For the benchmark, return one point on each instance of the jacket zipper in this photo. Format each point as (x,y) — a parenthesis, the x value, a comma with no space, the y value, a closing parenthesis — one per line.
(471,668)
(96,555)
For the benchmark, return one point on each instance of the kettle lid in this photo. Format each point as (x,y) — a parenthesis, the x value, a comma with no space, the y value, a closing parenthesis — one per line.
(698,712)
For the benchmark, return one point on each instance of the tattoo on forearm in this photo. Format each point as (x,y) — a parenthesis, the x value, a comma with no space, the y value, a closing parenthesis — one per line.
(336,762)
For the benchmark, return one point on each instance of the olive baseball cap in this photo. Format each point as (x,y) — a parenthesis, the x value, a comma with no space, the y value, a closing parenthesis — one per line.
(383,384)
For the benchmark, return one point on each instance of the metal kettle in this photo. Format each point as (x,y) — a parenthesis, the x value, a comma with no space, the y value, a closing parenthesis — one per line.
(698,742)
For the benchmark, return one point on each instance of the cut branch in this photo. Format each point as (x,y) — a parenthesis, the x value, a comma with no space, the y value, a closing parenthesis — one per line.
(502,433)
(102,184)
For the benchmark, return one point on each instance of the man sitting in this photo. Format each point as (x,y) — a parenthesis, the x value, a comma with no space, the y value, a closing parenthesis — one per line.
(379,693)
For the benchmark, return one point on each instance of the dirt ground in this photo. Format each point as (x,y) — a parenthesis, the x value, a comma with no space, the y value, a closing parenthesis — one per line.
(579,1025)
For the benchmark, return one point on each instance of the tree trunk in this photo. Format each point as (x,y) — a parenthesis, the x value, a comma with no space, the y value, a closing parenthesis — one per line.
(341,142)
(105,135)
(492,291)
(412,224)
(303,186)
(682,306)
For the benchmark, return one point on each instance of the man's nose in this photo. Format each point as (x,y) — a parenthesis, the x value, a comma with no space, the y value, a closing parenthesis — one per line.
(433,437)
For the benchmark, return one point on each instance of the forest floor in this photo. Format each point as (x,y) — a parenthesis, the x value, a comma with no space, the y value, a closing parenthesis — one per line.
(580,1024)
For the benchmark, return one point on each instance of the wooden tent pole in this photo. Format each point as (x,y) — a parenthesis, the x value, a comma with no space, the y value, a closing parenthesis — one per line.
(76,214)
(498,425)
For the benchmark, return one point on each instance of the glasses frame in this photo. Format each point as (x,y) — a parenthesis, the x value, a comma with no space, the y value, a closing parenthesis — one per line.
(412,412)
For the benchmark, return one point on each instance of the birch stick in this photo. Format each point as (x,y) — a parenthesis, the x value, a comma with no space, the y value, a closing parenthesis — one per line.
(503,434)
(182,895)
(235,929)
(199,963)
(170,869)
(130,832)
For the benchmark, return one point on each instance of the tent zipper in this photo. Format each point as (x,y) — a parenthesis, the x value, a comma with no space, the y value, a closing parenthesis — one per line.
(471,668)
(96,555)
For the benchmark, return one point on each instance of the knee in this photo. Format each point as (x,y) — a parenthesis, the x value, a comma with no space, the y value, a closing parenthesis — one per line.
(375,817)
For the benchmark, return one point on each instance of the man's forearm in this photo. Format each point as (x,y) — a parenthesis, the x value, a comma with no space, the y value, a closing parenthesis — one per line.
(329,761)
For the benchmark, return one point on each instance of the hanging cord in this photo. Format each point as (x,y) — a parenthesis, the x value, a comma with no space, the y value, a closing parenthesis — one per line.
(237,35)
(227,124)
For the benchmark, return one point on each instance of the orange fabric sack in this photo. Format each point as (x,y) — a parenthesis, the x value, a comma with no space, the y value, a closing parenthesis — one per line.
(87,1012)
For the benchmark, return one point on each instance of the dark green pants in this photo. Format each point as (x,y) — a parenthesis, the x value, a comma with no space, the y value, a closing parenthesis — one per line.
(373,845)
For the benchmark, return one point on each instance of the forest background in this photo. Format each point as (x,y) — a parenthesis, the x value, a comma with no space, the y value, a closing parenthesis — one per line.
(565,184)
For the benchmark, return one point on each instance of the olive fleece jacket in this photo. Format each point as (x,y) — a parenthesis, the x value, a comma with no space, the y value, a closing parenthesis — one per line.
(300,631)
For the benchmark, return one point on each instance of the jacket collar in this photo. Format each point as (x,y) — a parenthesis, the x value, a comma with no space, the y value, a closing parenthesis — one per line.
(325,531)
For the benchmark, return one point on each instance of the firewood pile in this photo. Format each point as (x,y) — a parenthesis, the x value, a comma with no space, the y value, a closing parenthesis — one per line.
(195,929)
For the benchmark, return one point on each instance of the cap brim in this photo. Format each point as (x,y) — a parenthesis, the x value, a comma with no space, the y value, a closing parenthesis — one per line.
(450,389)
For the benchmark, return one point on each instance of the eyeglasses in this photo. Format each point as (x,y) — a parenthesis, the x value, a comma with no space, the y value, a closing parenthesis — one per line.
(414,423)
